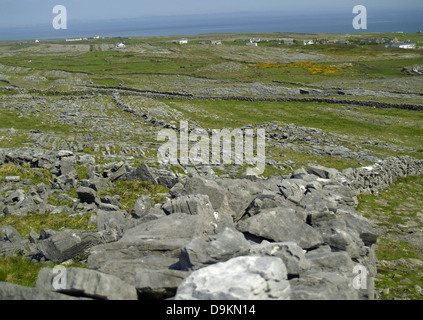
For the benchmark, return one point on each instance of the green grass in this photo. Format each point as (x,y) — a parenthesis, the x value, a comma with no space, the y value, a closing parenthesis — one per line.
(39,221)
(399,204)
(129,192)
(37,175)
(20,271)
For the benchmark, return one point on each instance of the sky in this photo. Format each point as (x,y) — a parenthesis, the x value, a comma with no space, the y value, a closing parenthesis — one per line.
(19,13)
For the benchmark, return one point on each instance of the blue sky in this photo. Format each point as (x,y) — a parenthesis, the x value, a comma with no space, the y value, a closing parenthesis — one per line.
(15,13)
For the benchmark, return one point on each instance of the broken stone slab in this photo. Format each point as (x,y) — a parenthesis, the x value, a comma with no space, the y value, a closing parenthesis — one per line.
(191,204)
(141,207)
(158,284)
(10,291)
(323,172)
(9,179)
(240,278)
(281,225)
(293,189)
(323,286)
(142,173)
(123,263)
(165,236)
(88,195)
(291,254)
(9,234)
(210,249)
(198,185)
(88,283)
(66,244)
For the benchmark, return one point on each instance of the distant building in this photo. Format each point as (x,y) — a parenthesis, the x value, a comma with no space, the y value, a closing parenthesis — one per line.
(374,41)
(120,46)
(96,37)
(37,41)
(251,44)
(74,39)
(402,45)
(288,41)
(255,40)
(308,42)
(216,42)
(183,41)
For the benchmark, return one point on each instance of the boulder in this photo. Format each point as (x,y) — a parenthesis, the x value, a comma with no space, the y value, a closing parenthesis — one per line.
(240,278)
(88,195)
(66,244)
(142,173)
(164,237)
(10,291)
(209,249)
(291,254)
(158,284)
(84,282)
(141,207)
(323,172)
(322,285)
(192,204)
(281,225)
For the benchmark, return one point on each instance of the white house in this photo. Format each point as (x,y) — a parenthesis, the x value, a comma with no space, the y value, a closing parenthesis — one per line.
(252,44)
(120,46)
(216,42)
(183,41)
(308,42)
(402,45)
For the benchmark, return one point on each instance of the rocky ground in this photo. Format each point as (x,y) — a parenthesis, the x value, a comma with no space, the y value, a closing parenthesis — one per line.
(292,237)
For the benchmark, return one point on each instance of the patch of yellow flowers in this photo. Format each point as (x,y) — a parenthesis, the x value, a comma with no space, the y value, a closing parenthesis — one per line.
(313,68)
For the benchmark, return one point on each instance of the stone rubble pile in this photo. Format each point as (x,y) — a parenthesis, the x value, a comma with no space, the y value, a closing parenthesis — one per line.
(283,237)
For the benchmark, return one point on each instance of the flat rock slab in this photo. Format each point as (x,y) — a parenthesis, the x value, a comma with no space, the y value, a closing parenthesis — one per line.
(281,225)
(87,283)
(241,278)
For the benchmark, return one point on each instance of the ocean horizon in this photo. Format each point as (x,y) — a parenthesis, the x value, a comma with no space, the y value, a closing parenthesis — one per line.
(407,21)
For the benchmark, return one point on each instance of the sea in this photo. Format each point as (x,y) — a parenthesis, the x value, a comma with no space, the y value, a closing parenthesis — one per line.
(406,20)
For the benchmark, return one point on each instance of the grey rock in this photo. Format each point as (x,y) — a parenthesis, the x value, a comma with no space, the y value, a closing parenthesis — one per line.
(158,284)
(143,173)
(9,291)
(291,254)
(9,234)
(66,244)
(281,225)
(141,207)
(240,278)
(198,185)
(88,283)
(323,172)
(209,249)
(162,237)
(12,179)
(192,204)
(329,261)
(323,286)
(293,189)
(88,195)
